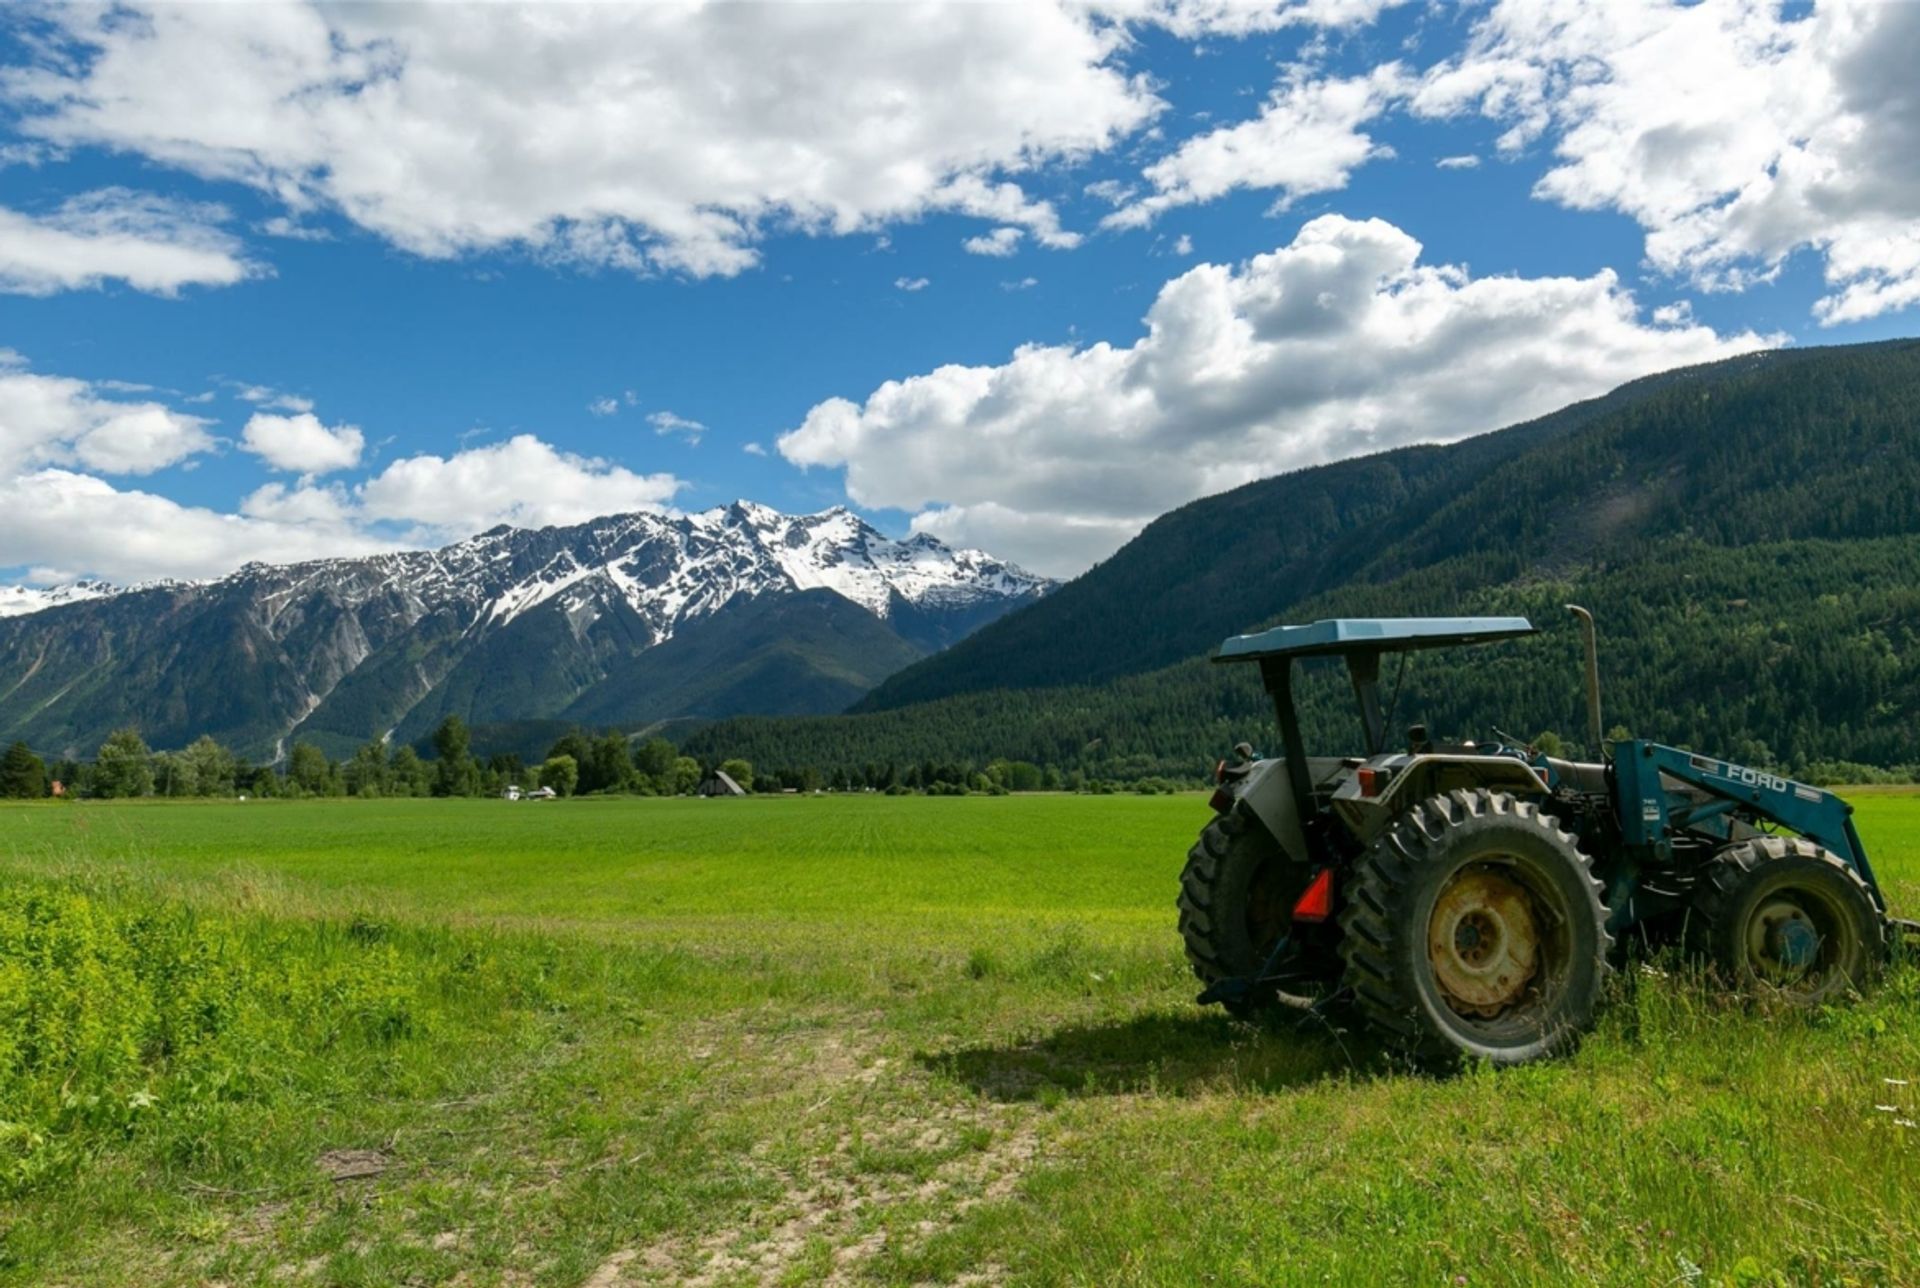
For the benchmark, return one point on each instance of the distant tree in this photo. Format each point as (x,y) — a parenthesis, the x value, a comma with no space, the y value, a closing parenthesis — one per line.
(685,776)
(1549,743)
(23,775)
(454,773)
(366,774)
(211,766)
(739,771)
(607,766)
(562,773)
(124,766)
(407,774)
(1015,775)
(654,759)
(452,741)
(573,743)
(309,770)
(172,774)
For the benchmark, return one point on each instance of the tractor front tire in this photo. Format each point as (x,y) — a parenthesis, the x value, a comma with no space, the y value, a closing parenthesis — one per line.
(1474,929)
(1236,899)
(1783,918)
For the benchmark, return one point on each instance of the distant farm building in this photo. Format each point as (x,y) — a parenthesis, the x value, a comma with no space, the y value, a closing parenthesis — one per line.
(721,785)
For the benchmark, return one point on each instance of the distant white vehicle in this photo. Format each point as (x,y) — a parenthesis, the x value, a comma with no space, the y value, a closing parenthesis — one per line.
(511,794)
(543,794)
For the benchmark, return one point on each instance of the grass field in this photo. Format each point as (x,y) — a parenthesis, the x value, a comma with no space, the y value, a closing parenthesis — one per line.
(802,1040)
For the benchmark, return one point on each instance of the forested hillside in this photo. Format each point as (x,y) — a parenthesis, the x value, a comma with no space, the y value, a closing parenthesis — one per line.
(1788,443)
(1748,533)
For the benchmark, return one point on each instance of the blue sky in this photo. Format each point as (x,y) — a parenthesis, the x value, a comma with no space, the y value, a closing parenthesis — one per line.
(412,283)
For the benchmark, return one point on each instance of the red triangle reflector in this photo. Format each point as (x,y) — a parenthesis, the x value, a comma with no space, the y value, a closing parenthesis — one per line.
(1317,903)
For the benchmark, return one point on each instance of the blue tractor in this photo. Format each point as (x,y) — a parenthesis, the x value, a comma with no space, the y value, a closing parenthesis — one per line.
(1467,898)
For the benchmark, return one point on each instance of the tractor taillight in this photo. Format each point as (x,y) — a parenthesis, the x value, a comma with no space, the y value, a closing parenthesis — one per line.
(1317,903)
(1369,780)
(1222,800)
(1219,771)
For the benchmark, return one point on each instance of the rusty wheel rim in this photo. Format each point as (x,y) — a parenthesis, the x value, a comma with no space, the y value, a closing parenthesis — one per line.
(1484,941)
(1796,942)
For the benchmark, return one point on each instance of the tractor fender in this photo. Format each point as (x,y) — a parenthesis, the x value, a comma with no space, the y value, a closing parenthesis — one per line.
(1268,794)
(1416,778)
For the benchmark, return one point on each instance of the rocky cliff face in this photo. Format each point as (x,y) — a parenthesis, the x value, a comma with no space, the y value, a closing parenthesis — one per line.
(505,626)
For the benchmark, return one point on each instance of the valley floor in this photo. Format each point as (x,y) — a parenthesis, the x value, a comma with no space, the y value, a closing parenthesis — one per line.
(844,1040)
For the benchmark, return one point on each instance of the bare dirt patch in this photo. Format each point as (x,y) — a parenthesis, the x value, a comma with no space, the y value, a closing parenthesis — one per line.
(883,1159)
(353,1164)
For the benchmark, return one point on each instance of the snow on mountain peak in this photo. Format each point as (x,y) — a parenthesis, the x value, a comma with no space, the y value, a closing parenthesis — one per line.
(667,569)
(18,601)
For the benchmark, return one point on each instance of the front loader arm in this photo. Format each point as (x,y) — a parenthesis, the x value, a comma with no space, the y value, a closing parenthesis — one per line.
(1650,813)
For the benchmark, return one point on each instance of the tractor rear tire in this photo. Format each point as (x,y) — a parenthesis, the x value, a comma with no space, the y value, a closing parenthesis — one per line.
(1474,928)
(1236,900)
(1784,918)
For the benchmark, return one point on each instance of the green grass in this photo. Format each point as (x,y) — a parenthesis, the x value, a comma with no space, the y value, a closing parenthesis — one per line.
(809,1040)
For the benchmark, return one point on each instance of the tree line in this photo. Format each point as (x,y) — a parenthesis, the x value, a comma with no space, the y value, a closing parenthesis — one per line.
(578,762)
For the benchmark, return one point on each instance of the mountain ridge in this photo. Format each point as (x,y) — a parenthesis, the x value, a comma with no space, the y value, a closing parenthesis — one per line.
(522,622)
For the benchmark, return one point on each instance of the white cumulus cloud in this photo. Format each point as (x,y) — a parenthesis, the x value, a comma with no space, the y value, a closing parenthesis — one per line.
(269,397)
(666,422)
(150,243)
(999,243)
(1197,18)
(1307,139)
(1340,343)
(1734,133)
(522,481)
(301,444)
(649,137)
(84,524)
(59,516)
(47,420)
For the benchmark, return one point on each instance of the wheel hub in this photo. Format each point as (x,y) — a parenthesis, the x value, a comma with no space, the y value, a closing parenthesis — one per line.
(1782,939)
(1483,942)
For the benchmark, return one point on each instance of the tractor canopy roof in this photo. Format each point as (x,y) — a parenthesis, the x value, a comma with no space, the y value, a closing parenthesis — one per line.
(1340,636)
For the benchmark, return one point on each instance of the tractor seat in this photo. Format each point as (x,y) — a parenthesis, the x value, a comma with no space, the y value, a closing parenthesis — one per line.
(1590,780)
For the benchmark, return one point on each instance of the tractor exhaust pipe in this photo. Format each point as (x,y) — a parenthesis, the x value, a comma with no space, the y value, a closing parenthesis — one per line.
(1593,678)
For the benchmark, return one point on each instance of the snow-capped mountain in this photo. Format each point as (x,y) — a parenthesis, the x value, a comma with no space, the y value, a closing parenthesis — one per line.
(621,621)
(18,601)
(675,570)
